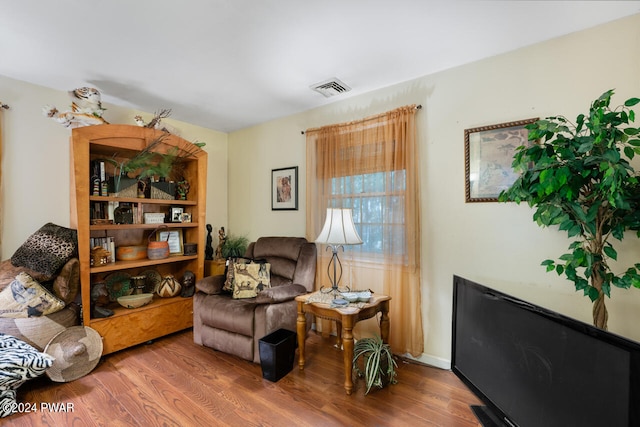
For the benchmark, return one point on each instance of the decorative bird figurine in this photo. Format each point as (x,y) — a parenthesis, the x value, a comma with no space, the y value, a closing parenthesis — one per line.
(86,109)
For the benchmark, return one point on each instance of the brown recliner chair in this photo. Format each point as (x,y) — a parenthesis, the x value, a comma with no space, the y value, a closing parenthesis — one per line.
(235,326)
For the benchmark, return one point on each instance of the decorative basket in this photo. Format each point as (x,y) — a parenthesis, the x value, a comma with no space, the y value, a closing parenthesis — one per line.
(163,190)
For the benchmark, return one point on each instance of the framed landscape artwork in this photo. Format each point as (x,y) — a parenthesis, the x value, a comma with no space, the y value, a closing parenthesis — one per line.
(488,155)
(284,189)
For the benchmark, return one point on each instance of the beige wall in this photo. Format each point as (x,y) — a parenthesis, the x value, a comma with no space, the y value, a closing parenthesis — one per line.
(495,244)
(35,161)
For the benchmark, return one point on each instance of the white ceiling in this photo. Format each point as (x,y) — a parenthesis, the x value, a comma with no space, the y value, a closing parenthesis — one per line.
(230,64)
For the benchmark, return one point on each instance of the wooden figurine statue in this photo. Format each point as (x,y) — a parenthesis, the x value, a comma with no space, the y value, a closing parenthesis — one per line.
(188,284)
(208,249)
(221,240)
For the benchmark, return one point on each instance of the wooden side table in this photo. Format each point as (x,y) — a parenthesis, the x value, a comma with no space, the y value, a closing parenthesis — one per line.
(346,319)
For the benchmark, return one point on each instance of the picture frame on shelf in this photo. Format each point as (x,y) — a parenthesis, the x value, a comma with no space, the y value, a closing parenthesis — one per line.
(175,214)
(284,189)
(174,238)
(186,217)
(488,155)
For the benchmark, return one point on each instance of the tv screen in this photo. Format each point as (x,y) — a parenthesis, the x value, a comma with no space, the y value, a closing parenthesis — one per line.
(534,367)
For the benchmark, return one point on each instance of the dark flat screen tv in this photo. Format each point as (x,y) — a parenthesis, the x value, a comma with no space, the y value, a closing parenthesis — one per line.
(533,367)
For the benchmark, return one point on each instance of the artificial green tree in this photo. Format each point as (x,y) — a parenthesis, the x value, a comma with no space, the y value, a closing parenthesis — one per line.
(578,176)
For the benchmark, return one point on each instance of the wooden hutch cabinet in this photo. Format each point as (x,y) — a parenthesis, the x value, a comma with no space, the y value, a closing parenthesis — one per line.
(116,144)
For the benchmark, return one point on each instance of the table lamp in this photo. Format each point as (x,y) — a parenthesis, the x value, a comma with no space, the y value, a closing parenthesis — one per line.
(338,230)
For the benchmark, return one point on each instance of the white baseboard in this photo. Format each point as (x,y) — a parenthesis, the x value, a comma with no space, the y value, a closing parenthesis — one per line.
(436,362)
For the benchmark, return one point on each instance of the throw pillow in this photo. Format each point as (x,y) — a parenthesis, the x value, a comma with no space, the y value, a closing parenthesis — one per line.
(19,362)
(67,284)
(25,297)
(229,272)
(47,250)
(250,278)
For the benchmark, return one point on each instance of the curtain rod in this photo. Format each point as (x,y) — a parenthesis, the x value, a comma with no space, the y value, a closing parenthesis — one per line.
(418,107)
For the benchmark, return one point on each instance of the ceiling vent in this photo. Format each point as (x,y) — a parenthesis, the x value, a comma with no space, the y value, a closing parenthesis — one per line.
(330,87)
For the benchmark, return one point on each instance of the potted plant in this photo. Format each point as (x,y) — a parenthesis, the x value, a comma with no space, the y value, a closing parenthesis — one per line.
(234,247)
(373,361)
(579,178)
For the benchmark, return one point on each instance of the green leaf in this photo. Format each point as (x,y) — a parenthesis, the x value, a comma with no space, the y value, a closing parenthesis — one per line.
(592,293)
(610,252)
(631,102)
(628,151)
(585,147)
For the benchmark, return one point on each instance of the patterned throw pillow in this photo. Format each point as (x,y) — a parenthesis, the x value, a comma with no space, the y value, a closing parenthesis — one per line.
(229,271)
(47,250)
(19,362)
(25,297)
(250,278)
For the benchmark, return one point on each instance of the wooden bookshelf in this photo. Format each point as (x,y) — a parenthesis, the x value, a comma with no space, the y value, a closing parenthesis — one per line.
(128,327)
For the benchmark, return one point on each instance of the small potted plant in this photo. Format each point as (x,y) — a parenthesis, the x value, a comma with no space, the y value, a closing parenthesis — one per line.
(373,361)
(234,247)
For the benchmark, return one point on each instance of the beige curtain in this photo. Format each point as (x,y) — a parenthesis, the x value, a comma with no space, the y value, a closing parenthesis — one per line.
(372,167)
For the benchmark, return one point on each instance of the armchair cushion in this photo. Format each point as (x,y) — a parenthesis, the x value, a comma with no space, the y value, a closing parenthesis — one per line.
(280,294)
(211,285)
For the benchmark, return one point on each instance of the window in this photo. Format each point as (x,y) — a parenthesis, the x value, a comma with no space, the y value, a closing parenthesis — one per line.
(377,200)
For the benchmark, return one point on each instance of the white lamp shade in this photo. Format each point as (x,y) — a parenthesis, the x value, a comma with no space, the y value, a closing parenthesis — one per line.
(339,229)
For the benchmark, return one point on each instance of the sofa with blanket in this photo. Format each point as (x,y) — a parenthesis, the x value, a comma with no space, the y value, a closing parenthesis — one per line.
(258,297)
(39,286)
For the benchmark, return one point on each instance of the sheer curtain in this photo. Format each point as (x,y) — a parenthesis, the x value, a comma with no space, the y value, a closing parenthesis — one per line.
(371,166)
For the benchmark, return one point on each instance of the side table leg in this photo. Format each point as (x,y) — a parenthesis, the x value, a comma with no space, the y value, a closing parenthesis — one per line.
(384,322)
(338,343)
(347,344)
(302,334)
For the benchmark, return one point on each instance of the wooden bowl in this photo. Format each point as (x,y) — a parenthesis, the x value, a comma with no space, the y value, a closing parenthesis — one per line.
(135,301)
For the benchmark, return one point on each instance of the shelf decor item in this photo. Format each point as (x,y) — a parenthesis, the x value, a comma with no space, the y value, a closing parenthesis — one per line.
(163,190)
(157,249)
(135,301)
(169,287)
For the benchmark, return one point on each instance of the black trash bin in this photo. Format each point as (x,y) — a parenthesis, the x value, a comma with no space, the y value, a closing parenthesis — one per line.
(277,351)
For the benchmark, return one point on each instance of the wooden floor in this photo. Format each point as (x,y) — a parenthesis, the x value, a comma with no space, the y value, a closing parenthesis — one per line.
(173,382)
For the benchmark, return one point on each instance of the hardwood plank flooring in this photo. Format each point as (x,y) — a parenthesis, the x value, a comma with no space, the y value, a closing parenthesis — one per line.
(174,382)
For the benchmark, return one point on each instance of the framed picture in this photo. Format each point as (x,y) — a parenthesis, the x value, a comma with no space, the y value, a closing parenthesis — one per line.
(186,217)
(174,237)
(284,189)
(176,214)
(488,155)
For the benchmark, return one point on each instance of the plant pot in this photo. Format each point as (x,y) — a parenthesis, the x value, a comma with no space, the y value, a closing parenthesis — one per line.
(123,187)
(163,190)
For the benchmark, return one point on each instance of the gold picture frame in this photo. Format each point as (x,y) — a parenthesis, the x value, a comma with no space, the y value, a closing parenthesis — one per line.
(488,155)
